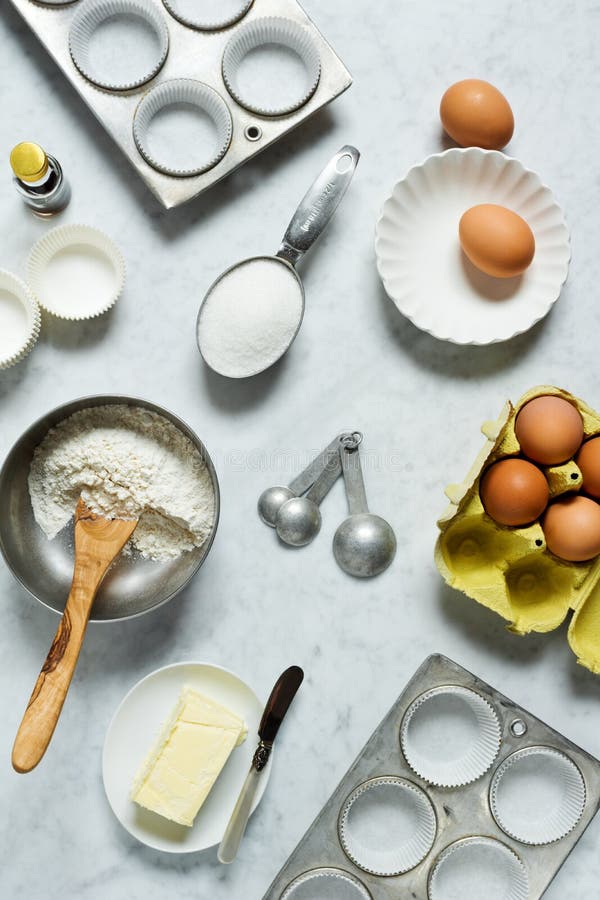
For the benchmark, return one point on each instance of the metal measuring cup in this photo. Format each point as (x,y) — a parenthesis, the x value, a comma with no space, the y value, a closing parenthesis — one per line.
(272,499)
(364,544)
(222,348)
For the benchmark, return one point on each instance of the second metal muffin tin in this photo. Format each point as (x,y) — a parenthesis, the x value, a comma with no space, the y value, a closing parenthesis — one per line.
(461,812)
(192,54)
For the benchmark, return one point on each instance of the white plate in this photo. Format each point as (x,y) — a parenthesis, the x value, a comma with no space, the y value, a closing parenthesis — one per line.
(135,726)
(424,270)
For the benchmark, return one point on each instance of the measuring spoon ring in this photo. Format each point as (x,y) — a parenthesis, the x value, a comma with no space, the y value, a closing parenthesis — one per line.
(272,499)
(364,544)
(299,519)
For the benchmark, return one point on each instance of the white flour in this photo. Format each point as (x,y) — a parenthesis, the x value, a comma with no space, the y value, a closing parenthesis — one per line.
(125,462)
(250,317)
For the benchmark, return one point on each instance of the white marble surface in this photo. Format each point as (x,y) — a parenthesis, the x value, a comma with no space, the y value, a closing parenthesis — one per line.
(257,607)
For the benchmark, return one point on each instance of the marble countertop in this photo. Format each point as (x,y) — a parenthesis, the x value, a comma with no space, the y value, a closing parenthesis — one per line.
(256,607)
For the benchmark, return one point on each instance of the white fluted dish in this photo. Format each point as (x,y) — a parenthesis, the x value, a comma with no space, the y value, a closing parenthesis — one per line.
(387,826)
(450,736)
(478,866)
(272,30)
(93,14)
(175,93)
(19,320)
(423,268)
(335,884)
(76,272)
(195,14)
(537,795)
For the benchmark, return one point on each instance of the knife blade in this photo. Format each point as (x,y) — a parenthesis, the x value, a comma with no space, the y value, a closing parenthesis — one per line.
(279,702)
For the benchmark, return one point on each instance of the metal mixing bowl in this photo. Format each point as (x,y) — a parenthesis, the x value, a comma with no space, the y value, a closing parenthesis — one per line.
(133,585)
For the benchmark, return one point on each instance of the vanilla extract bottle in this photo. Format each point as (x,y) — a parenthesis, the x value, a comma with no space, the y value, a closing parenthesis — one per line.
(39,179)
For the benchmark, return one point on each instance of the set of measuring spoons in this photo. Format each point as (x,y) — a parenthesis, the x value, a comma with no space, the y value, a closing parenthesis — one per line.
(364,544)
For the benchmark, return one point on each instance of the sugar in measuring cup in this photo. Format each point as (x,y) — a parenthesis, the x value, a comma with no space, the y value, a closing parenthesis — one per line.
(253,311)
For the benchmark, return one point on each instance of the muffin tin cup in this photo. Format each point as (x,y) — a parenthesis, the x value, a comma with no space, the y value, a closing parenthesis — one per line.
(201,23)
(90,15)
(259,33)
(16,345)
(74,300)
(361,826)
(456,714)
(537,795)
(335,884)
(474,864)
(189,92)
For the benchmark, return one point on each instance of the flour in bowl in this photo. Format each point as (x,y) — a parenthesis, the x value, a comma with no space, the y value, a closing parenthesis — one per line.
(125,462)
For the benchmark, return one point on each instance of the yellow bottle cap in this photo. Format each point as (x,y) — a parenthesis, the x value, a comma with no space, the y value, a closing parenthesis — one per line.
(29,162)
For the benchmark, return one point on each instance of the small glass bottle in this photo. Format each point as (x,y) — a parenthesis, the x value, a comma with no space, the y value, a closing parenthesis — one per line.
(39,179)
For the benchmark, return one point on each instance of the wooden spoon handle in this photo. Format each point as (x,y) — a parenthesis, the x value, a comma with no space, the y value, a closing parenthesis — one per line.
(50,691)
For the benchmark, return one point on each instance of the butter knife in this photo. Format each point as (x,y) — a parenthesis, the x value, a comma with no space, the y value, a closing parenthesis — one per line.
(277,706)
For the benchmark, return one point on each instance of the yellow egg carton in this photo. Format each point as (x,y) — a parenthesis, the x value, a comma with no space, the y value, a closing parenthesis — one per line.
(510,570)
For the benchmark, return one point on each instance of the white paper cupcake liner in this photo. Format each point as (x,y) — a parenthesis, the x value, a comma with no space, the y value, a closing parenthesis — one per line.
(15,341)
(271,30)
(193,93)
(202,21)
(421,263)
(387,826)
(478,867)
(332,884)
(92,272)
(537,795)
(450,736)
(90,14)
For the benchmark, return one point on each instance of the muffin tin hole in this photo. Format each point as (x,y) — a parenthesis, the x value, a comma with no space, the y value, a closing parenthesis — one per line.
(450,736)
(252,132)
(537,795)
(208,15)
(271,66)
(518,728)
(118,45)
(475,867)
(387,826)
(326,884)
(182,127)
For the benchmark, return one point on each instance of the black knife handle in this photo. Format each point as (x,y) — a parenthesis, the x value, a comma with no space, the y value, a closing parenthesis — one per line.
(278,703)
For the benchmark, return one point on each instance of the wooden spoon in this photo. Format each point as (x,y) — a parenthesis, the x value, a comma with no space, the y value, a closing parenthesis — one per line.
(97,542)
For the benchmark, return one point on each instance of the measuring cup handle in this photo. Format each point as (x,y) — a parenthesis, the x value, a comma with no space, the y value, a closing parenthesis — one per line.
(319,205)
(353,480)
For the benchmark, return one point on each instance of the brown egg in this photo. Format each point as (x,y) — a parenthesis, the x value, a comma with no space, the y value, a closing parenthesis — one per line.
(572,528)
(514,492)
(475,114)
(496,240)
(549,430)
(588,460)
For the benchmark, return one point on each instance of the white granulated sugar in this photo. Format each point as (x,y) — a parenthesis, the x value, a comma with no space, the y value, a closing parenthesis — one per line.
(125,462)
(249,317)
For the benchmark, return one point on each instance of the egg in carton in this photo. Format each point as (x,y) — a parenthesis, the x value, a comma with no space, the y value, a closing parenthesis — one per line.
(510,569)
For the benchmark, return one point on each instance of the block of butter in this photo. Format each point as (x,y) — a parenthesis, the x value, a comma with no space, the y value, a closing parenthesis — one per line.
(187,758)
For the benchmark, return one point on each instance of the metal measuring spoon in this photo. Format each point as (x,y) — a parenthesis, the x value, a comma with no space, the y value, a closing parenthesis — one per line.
(233,338)
(272,499)
(364,544)
(299,519)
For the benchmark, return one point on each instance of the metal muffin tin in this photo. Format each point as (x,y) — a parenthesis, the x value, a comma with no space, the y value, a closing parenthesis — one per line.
(192,54)
(462,812)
